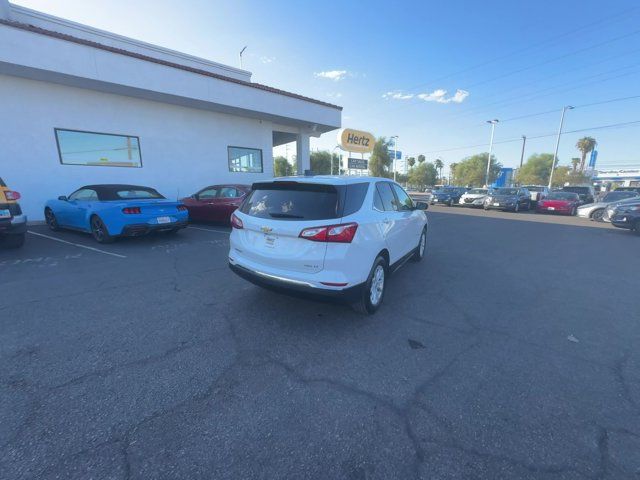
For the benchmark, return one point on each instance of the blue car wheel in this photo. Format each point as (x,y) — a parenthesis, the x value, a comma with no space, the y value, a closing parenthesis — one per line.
(51,220)
(99,230)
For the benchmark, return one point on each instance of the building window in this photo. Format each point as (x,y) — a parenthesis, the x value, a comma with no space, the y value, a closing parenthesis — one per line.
(98,149)
(245,160)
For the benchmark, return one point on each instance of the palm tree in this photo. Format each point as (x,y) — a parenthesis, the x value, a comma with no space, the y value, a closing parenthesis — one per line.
(452,174)
(585,145)
(575,162)
(411,161)
(439,166)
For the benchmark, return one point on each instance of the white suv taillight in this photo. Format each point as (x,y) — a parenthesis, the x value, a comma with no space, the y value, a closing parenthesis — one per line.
(236,222)
(343,233)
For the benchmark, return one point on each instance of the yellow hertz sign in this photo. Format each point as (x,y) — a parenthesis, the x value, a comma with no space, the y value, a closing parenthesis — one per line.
(355,140)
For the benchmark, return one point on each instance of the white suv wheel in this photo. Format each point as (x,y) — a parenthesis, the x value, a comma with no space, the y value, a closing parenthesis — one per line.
(377,286)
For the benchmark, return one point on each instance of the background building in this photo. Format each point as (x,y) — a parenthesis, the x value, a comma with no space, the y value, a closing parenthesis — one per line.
(81,105)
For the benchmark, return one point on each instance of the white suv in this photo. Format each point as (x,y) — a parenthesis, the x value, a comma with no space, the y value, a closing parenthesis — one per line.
(327,235)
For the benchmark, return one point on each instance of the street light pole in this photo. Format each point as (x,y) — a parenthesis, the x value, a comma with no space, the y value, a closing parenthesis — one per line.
(555,155)
(493,127)
(331,159)
(395,154)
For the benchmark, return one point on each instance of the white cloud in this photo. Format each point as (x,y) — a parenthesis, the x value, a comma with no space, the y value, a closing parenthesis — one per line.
(334,75)
(398,95)
(266,59)
(334,95)
(438,96)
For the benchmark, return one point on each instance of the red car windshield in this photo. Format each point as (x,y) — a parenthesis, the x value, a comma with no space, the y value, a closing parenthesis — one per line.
(563,196)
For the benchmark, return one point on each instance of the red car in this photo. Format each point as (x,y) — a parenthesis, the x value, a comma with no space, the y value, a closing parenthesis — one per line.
(215,203)
(559,202)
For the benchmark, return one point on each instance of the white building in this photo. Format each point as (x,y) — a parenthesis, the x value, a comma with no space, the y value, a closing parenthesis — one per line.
(82,106)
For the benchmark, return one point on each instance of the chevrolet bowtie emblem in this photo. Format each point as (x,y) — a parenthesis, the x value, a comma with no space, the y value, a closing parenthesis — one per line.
(266,229)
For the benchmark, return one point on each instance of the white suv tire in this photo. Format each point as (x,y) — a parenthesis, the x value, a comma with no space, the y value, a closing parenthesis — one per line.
(421,249)
(374,288)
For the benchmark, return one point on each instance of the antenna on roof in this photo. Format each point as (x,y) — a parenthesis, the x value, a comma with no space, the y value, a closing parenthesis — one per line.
(241,52)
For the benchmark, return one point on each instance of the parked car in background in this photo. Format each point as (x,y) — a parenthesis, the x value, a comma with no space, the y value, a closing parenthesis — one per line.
(508,198)
(627,216)
(537,192)
(595,211)
(216,203)
(608,211)
(474,197)
(13,223)
(628,189)
(587,193)
(559,202)
(327,236)
(111,211)
(447,196)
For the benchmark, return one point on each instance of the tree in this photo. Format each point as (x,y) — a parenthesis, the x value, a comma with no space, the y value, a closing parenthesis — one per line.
(574,163)
(452,170)
(536,169)
(379,161)
(281,167)
(321,162)
(471,171)
(422,175)
(421,158)
(439,166)
(585,145)
(565,175)
(411,162)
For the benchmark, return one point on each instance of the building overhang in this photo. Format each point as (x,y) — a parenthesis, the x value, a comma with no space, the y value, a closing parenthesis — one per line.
(45,55)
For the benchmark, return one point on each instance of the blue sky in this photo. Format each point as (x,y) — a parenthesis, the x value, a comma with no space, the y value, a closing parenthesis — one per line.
(388,64)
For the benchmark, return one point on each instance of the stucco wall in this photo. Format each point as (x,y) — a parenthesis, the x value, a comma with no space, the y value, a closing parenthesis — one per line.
(183,149)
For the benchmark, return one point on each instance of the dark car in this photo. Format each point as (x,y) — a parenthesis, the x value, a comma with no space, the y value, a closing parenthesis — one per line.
(508,198)
(216,203)
(586,194)
(627,216)
(13,224)
(447,196)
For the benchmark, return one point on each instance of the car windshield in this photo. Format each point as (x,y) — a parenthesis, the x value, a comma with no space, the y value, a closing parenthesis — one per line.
(615,196)
(505,191)
(562,196)
(478,191)
(579,190)
(533,188)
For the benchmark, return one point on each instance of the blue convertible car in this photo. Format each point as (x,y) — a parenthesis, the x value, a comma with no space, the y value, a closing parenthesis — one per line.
(110,211)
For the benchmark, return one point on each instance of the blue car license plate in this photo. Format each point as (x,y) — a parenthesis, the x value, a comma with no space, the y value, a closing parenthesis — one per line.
(5,213)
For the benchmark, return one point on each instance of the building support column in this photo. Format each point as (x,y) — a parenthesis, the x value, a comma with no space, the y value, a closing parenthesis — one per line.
(303,160)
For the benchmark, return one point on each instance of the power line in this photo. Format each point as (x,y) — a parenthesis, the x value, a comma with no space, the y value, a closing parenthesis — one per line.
(555,110)
(519,51)
(550,91)
(532,137)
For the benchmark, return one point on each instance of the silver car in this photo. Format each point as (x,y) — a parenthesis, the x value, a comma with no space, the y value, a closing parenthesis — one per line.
(599,212)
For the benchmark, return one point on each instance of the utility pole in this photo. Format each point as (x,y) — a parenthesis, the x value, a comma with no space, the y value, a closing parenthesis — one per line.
(524,142)
(493,127)
(395,154)
(555,155)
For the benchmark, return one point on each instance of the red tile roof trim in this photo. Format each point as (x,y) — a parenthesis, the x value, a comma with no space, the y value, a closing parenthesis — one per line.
(139,56)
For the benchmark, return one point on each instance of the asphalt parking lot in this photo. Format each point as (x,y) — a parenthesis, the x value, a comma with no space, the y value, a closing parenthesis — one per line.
(510,352)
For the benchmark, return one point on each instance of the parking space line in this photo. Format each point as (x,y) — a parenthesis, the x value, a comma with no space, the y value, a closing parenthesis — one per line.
(77,245)
(209,230)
